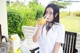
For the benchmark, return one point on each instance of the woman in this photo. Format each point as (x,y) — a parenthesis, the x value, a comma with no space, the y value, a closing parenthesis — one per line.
(50,35)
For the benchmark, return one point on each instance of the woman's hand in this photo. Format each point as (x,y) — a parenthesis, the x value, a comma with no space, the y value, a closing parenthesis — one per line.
(40,23)
(37,34)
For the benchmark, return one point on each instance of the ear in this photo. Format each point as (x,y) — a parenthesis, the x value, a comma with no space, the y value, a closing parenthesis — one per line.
(56,14)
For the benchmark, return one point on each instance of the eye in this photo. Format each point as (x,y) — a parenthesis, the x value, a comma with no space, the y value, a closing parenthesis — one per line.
(46,12)
(51,13)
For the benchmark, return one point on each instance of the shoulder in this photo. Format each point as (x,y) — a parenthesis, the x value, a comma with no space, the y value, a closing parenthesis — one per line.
(58,26)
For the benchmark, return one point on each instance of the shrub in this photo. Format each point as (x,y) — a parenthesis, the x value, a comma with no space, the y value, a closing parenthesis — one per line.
(63,14)
(39,9)
(20,14)
(77,13)
(14,23)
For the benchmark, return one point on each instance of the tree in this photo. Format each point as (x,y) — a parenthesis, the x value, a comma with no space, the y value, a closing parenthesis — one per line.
(61,4)
(38,8)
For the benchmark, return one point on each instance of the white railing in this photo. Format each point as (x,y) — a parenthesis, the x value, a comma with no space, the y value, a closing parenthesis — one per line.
(29,30)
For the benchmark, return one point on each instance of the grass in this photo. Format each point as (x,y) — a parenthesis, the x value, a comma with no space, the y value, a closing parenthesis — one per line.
(71,23)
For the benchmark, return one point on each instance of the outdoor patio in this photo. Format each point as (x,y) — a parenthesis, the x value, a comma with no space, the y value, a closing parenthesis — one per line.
(28,32)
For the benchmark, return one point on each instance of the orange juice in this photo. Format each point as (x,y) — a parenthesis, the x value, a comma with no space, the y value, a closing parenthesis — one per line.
(43,21)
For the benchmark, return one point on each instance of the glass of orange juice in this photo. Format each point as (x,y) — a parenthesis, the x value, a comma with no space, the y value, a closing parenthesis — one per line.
(43,21)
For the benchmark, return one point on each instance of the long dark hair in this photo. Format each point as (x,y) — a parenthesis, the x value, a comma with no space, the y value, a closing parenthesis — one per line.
(56,10)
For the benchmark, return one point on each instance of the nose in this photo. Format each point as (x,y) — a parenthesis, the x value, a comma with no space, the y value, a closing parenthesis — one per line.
(47,16)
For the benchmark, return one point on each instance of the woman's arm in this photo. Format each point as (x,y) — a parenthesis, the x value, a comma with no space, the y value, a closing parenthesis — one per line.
(37,35)
(56,47)
(38,32)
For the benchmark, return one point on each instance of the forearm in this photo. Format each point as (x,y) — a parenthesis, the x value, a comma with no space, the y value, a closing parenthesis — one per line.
(56,47)
(37,35)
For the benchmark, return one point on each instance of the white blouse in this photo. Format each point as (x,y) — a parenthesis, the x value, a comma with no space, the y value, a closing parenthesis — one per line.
(47,41)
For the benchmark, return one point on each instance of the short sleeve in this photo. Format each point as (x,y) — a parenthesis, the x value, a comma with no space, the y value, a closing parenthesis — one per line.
(60,34)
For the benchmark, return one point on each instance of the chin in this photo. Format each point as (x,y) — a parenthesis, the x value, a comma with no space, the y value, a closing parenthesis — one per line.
(48,21)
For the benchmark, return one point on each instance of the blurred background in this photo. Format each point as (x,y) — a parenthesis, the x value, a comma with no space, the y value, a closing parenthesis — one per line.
(26,12)
(17,13)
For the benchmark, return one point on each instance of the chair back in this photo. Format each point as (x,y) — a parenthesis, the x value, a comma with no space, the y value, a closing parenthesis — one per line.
(0,33)
(70,42)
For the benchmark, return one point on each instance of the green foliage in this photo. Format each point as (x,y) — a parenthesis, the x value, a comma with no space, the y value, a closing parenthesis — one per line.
(71,23)
(37,8)
(61,4)
(77,13)
(14,23)
(63,14)
(20,14)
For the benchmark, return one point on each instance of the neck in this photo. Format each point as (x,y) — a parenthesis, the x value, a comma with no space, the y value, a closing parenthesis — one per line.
(48,26)
(51,24)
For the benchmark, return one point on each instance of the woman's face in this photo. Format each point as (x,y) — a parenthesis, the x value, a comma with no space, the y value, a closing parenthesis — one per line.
(49,14)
